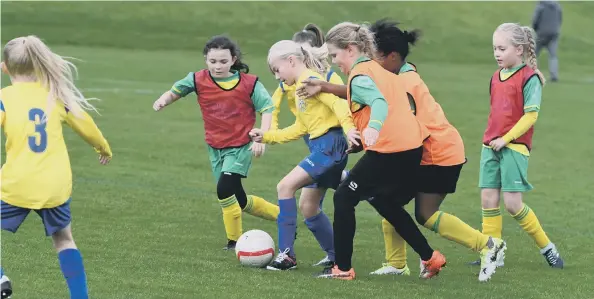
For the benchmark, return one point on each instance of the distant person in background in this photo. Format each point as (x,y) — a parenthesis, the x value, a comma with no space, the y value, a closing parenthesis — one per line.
(547,24)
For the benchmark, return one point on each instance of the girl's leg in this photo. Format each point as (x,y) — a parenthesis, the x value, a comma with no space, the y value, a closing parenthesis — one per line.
(317,221)
(71,263)
(287,218)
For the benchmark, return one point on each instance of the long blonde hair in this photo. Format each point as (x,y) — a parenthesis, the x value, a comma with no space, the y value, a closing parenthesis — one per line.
(29,56)
(346,33)
(525,37)
(315,59)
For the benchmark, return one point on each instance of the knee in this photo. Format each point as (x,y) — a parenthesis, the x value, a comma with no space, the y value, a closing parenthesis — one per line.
(285,189)
(490,198)
(513,202)
(226,186)
(63,239)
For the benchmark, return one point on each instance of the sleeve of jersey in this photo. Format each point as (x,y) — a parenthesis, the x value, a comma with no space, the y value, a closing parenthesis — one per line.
(277,98)
(365,92)
(290,133)
(522,126)
(184,86)
(336,79)
(532,95)
(261,99)
(86,128)
(340,108)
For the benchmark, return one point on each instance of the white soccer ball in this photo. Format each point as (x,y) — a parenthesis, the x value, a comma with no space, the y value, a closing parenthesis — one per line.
(255,248)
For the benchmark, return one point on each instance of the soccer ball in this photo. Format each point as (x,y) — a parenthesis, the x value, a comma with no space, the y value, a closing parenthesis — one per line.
(255,248)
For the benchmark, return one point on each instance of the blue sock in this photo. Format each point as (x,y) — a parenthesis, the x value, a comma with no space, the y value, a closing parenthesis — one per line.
(72,267)
(287,224)
(321,227)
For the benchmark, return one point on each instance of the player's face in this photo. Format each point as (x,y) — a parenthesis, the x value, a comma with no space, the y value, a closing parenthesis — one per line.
(283,70)
(506,54)
(343,58)
(219,62)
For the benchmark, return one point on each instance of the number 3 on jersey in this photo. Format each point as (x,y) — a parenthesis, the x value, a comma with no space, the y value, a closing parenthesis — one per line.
(38,143)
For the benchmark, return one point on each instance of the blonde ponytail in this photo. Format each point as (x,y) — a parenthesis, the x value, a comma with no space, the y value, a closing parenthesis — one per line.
(29,56)
(346,33)
(530,50)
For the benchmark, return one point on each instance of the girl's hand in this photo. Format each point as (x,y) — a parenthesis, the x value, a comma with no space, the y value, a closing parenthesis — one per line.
(353,137)
(310,88)
(258,149)
(370,136)
(104,160)
(256,135)
(159,104)
(498,144)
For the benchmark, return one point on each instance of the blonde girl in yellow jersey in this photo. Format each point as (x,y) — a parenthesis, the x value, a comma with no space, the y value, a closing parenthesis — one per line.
(36,175)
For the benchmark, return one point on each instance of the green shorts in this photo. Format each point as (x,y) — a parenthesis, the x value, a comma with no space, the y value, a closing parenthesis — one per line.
(234,160)
(506,170)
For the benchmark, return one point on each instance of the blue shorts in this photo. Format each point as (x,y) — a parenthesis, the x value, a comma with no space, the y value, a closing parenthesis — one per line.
(54,219)
(327,159)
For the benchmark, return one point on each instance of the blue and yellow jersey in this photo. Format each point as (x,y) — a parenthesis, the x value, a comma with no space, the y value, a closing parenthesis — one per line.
(36,173)
(289,91)
(260,96)
(314,115)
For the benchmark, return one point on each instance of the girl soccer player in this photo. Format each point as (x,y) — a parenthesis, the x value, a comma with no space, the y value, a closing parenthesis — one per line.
(229,98)
(516,90)
(442,161)
(312,36)
(32,109)
(392,138)
(322,118)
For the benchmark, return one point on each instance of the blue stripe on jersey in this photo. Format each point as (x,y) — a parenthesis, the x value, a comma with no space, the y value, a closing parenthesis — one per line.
(67,110)
(2,106)
(281,86)
(329,75)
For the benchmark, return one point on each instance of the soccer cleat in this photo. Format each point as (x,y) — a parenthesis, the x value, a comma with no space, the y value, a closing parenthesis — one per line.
(283,262)
(388,269)
(335,273)
(325,262)
(490,257)
(552,256)
(230,245)
(6,287)
(433,266)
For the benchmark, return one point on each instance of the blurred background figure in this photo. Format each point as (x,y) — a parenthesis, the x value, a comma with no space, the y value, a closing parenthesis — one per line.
(547,24)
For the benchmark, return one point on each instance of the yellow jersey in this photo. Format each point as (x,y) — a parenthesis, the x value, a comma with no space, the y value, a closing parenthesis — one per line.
(289,91)
(314,116)
(36,173)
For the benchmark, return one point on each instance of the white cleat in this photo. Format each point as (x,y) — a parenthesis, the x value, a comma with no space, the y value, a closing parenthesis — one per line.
(490,258)
(388,269)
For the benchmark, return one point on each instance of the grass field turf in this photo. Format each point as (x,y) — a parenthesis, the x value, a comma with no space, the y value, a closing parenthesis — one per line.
(149,225)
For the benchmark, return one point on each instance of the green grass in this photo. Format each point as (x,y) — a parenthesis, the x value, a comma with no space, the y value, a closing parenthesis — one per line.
(149,225)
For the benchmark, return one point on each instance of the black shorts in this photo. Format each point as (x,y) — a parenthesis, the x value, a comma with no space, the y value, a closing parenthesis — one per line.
(438,179)
(388,175)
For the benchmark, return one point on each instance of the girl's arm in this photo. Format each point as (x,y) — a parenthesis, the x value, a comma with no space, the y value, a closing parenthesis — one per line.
(86,128)
(165,99)
(179,90)
(277,98)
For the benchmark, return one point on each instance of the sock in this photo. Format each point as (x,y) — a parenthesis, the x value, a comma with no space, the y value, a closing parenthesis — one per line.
(454,229)
(287,225)
(72,267)
(231,217)
(395,246)
(321,228)
(528,221)
(257,206)
(492,222)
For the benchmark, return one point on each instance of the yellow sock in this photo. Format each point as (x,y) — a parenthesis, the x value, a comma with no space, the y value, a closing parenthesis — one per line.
(231,217)
(531,225)
(395,246)
(492,222)
(257,206)
(454,229)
